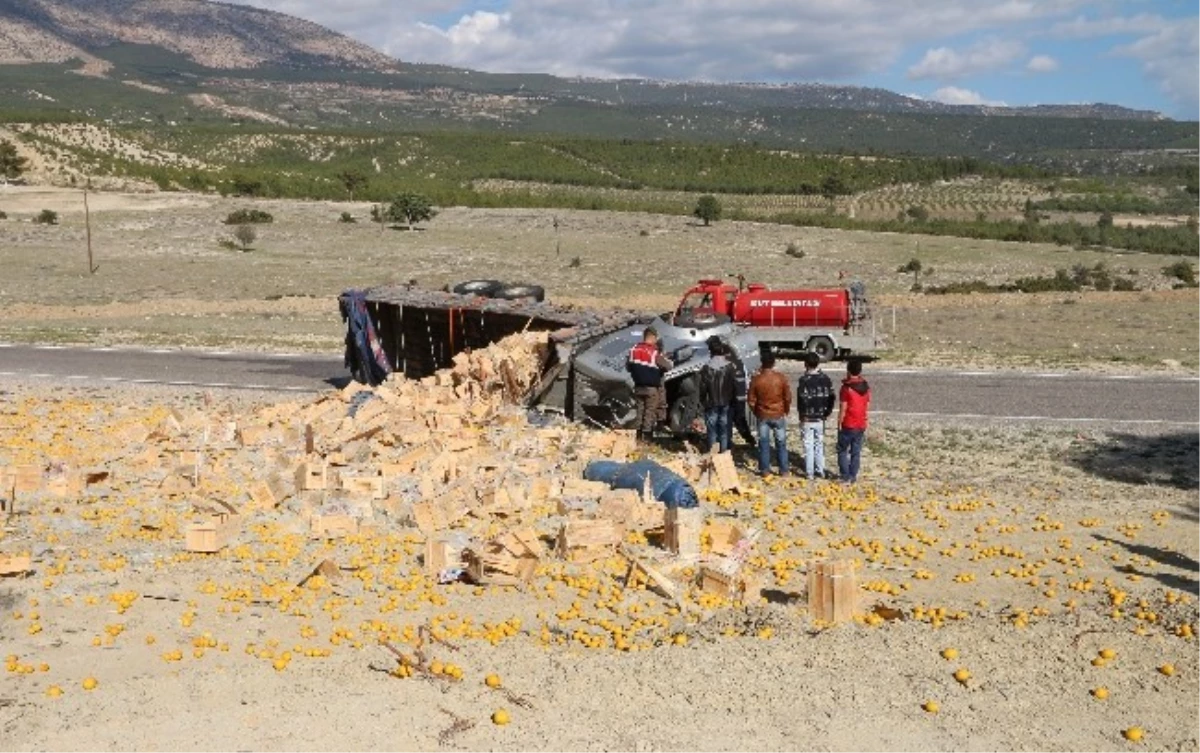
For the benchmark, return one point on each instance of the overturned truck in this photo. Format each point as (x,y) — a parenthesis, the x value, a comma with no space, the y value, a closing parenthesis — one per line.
(416,332)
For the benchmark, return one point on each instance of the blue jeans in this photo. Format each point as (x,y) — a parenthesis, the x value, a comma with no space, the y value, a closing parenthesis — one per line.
(778,428)
(813,433)
(849,449)
(717,421)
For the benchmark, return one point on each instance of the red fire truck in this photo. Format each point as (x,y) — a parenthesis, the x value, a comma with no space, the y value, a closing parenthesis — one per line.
(833,323)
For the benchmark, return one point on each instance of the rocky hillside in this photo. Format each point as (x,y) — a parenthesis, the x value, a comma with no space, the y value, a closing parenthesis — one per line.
(210,34)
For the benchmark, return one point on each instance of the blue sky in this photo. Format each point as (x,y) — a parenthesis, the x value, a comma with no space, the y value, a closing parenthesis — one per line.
(1138,53)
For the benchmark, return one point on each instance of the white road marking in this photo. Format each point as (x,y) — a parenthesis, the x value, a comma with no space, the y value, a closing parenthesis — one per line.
(1048,419)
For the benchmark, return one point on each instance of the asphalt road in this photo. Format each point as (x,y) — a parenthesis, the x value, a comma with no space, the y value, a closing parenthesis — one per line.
(958,396)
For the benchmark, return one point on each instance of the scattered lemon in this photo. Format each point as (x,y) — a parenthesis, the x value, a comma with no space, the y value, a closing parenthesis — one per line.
(437,668)
(280,664)
(949,654)
(680,640)
(1100,693)
(492,680)
(931,706)
(962,675)
(1167,669)
(89,683)
(1108,653)
(501,717)
(1133,734)
(54,691)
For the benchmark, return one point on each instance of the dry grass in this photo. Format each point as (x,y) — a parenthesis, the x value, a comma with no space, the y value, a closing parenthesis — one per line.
(163,278)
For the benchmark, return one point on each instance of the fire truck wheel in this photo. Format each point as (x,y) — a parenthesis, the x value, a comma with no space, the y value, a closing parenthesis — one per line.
(481,288)
(822,346)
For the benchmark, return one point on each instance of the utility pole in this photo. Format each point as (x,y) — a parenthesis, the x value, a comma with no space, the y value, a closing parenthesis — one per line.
(87,219)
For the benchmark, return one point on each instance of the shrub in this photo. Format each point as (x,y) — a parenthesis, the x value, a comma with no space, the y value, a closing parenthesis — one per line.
(347,218)
(576,262)
(918,213)
(644,233)
(1182,271)
(3,215)
(1124,284)
(46,217)
(245,235)
(248,217)
(227,244)
(795,251)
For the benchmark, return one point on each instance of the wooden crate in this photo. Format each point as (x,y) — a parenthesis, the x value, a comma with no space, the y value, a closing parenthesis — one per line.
(211,535)
(333,526)
(583,540)
(681,531)
(370,486)
(311,475)
(832,591)
(442,554)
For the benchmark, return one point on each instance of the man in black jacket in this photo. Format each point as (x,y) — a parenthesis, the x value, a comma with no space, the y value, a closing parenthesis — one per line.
(716,395)
(814,402)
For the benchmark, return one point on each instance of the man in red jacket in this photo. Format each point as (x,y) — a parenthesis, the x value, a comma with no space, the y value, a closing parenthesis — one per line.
(647,364)
(853,403)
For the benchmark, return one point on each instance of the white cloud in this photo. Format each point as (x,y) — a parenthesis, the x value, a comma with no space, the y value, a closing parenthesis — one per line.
(946,64)
(750,40)
(1170,57)
(1082,27)
(953,95)
(1041,64)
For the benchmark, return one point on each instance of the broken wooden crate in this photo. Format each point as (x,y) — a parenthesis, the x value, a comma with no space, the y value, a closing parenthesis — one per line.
(211,535)
(682,527)
(510,559)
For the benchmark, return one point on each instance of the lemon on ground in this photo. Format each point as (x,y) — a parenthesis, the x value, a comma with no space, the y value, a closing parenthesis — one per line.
(1167,669)
(962,675)
(501,717)
(54,691)
(1108,653)
(436,668)
(89,683)
(949,653)
(492,680)
(1133,734)
(1100,693)
(931,706)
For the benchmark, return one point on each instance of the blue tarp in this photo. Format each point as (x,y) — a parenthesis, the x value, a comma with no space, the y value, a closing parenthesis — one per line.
(668,487)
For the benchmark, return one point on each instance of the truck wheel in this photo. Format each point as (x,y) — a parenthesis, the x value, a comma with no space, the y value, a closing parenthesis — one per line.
(481,288)
(516,292)
(823,347)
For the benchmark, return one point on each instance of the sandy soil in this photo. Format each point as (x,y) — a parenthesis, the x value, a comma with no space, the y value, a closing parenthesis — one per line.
(162,277)
(1027,551)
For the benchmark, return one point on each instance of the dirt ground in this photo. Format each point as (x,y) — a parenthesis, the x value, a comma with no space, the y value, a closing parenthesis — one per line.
(1028,551)
(162,278)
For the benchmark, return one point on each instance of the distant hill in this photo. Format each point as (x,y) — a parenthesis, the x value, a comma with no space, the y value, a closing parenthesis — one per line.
(179,62)
(210,34)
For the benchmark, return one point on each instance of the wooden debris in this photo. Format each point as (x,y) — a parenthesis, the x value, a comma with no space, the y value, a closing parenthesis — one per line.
(332,526)
(681,531)
(507,560)
(14,565)
(311,475)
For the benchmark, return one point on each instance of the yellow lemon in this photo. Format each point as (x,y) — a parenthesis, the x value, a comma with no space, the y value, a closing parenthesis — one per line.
(54,691)
(1108,653)
(89,683)
(492,680)
(949,654)
(437,668)
(1100,693)
(1167,669)
(1133,734)
(931,706)
(962,675)
(501,717)
(680,640)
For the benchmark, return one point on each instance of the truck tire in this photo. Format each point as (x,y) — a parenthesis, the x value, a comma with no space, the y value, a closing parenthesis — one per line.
(481,288)
(823,347)
(517,292)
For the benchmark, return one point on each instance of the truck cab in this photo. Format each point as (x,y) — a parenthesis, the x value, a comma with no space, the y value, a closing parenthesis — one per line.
(708,303)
